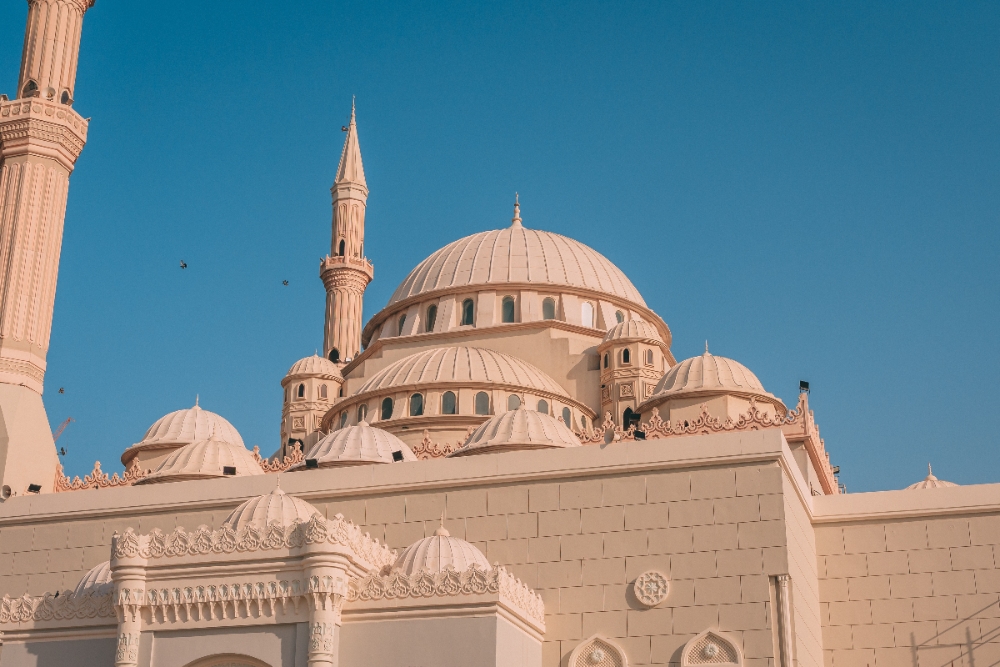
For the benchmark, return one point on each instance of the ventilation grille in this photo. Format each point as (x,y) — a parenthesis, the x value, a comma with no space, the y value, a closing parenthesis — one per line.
(599,654)
(712,650)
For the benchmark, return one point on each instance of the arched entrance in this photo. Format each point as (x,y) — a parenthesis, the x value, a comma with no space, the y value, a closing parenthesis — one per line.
(228,660)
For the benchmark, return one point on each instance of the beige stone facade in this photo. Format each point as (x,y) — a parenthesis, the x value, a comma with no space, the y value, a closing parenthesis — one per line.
(505,466)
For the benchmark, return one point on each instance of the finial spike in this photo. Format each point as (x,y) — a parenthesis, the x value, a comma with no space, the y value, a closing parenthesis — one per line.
(929,471)
(516,220)
(196,400)
(706,347)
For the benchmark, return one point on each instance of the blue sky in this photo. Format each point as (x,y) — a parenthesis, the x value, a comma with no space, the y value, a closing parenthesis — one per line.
(811,187)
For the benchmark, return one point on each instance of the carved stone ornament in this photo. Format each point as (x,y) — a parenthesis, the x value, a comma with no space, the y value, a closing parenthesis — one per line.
(627,390)
(298,423)
(598,651)
(711,647)
(650,588)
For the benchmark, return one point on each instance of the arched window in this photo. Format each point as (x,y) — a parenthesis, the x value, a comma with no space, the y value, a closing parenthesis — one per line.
(649,357)
(543,406)
(607,359)
(301,392)
(629,418)
(567,417)
(335,355)
(549,309)
(620,316)
(340,392)
(362,413)
(402,323)
(30,89)
(66,98)
(416,405)
(587,314)
(513,402)
(343,247)
(322,391)
(448,403)
(468,312)
(386,408)
(432,315)
(482,403)
(343,419)
(626,356)
(507,308)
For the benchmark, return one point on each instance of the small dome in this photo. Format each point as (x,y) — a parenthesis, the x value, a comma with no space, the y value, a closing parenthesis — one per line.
(275,507)
(518,429)
(314,366)
(97,580)
(708,374)
(930,482)
(438,552)
(633,330)
(183,427)
(461,365)
(204,460)
(356,445)
(517,254)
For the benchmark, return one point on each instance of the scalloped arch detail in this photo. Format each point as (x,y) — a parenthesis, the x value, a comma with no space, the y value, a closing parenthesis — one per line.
(598,651)
(711,647)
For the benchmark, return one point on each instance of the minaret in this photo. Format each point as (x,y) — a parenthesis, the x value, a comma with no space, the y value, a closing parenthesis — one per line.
(346,272)
(41,137)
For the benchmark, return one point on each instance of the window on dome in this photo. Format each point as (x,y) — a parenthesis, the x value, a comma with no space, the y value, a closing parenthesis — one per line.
(386,408)
(482,403)
(335,355)
(549,309)
(626,356)
(543,406)
(416,405)
(468,312)
(362,413)
(343,248)
(508,309)
(567,417)
(322,391)
(649,357)
(432,315)
(513,402)
(402,323)
(607,359)
(448,403)
(301,393)
(620,316)
(587,314)
(343,419)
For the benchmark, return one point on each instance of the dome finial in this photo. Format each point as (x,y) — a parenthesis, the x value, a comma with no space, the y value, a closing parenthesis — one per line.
(930,473)
(196,400)
(442,531)
(517,212)
(706,347)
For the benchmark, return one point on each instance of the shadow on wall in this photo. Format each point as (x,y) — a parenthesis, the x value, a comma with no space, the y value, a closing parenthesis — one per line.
(67,652)
(932,652)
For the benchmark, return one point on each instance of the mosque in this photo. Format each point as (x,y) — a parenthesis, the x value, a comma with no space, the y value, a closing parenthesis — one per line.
(505,466)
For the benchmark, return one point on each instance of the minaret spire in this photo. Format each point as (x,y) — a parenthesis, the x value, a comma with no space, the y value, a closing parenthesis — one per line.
(346,272)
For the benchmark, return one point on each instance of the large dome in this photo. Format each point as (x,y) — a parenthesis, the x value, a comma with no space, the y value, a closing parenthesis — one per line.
(518,429)
(356,445)
(450,365)
(517,255)
(182,427)
(205,459)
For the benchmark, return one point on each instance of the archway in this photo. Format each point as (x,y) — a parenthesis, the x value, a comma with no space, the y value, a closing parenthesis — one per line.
(228,660)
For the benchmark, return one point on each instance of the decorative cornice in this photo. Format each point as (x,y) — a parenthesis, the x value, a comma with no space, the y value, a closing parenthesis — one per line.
(427,449)
(346,270)
(98,479)
(57,607)
(396,585)
(204,542)
(35,125)
(278,464)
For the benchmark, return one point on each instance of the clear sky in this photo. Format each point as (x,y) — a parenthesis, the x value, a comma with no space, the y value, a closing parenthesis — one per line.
(813,188)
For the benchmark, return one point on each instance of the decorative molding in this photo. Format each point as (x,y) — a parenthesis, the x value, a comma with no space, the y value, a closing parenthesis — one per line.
(428,449)
(26,368)
(98,479)
(473,581)
(651,588)
(57,607)
(278,464)
(711,647)
(627,390)
(203,541)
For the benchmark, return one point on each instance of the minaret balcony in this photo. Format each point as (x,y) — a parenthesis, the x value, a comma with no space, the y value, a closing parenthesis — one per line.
(343,261)
(45,128)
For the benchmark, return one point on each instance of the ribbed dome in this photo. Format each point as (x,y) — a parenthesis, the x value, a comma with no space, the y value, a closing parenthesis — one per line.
(438,552)
(183,427)
(97,580)
(518,429)
(708,374)
(314,366)
(931,482)
(275,507)
(462,365)
(356,445)
(203,460)
(633,329)
(517,255)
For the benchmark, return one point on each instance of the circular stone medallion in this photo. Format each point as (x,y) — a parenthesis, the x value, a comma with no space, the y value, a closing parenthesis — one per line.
(651,588)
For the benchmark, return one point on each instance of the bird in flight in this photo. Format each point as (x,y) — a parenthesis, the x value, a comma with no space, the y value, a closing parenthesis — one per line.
(284,282)
(62,451)
(183,264)
(62,390)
